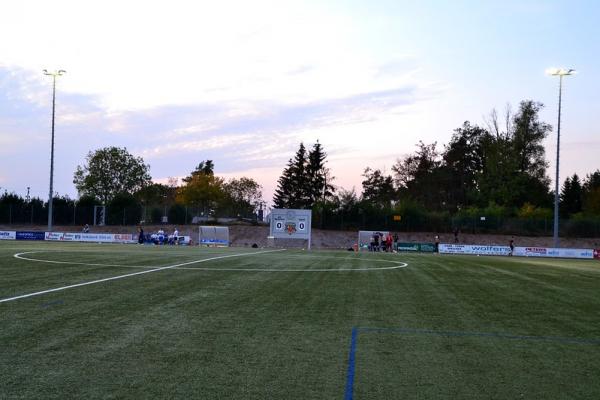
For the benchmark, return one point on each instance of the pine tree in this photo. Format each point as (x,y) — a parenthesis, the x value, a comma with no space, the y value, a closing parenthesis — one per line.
(571,197)
(319,186)
(284,192)
(299,183)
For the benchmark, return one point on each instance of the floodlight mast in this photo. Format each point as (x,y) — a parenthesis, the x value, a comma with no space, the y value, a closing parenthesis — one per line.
(50,196)
(560,72)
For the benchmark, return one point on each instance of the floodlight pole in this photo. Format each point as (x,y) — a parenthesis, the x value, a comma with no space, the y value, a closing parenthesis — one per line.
(560,73)
(50,196)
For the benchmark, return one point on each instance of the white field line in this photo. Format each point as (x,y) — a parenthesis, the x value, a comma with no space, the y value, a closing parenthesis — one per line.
(399,265)
(132,274)
(20,257)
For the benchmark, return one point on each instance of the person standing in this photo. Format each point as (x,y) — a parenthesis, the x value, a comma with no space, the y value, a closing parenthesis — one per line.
(511,244)
(437,244)
(141,235)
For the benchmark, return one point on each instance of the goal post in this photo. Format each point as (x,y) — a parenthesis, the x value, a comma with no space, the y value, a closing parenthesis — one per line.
(217,236)
(291,224)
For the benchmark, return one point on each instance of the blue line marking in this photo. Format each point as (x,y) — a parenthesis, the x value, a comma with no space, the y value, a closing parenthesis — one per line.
(351,362)
(356,330)
(483,334)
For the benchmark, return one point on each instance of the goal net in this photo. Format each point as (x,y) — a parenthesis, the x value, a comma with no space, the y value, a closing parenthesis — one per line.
(213,236)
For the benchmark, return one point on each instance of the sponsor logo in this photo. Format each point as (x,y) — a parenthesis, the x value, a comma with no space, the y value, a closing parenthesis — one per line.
(536,250)
(7,235)
(54,236)
(30,235)
(290,227)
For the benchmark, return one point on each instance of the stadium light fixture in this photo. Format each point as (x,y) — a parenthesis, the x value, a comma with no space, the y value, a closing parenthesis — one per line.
(50,196)
(560,72)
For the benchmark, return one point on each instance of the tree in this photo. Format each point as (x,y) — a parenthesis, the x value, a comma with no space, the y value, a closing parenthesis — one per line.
(304,180)
(378,189)
(319,185)
(243,196)
(571,196)
(591,193)
(110,171)
(201,189)
(205,167)
(463,162)
(283,193)
(514,165)
(299,196)
(419,176)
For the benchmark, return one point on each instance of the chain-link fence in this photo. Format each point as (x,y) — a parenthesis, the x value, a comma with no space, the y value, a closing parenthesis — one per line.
(71,214)
(356,219)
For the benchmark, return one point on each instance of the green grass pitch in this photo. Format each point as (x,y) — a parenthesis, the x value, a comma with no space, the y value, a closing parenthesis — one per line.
(249,324)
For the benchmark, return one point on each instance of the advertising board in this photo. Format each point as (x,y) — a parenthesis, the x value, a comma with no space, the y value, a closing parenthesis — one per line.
(416,247)
(29,235)
(54,236)
(553,252)
(8,235)
(90,237)
(484,250)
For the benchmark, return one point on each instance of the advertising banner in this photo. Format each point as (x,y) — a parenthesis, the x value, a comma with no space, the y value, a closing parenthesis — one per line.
(486,250)
(28,235)
(54,236)
(90,237)
(416,247)
(8,235)
(553,252)
(124,238)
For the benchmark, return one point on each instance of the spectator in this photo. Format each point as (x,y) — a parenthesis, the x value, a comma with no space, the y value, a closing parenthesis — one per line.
(140,235)
(86,228)
(511,244)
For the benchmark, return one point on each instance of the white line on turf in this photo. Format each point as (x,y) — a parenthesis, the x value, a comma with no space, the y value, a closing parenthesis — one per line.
(399,264)
(133,274)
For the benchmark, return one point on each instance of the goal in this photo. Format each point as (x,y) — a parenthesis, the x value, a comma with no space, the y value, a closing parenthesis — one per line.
(217,236)
(365,237)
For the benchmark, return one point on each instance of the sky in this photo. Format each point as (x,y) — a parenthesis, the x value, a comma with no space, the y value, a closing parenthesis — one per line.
(243,83)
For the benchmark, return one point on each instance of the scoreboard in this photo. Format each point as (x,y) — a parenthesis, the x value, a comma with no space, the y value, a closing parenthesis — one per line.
(291,224)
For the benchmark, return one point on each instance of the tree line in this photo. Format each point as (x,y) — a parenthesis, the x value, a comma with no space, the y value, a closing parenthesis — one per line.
(498,170)
(113,177)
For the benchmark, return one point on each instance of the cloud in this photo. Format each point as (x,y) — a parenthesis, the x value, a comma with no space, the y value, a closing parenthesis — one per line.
(240,135)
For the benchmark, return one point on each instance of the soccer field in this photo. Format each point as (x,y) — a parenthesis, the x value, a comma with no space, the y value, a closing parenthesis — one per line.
(128,321)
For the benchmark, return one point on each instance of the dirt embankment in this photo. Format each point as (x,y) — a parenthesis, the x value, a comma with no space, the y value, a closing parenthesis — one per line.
(243,235)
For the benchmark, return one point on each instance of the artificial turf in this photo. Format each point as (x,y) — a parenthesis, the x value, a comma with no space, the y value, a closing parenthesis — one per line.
(443,327)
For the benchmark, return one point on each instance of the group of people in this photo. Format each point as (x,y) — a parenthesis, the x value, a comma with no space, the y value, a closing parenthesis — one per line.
(159,237)
(383,242)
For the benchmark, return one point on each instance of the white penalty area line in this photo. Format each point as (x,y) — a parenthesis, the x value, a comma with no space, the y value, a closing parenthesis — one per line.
(134,274)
